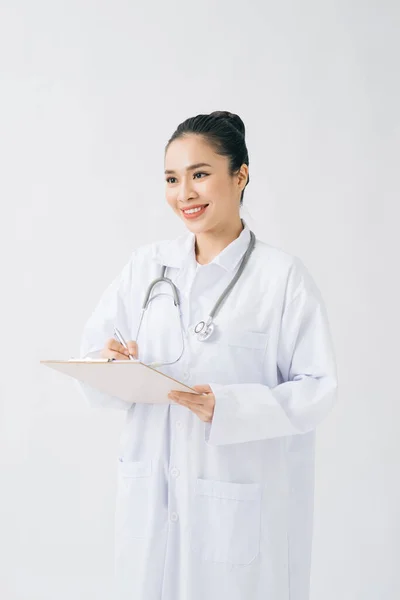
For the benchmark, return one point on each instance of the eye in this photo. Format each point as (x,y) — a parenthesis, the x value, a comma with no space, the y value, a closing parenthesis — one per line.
(169,179)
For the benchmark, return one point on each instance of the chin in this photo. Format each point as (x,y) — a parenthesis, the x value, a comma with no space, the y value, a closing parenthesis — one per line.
(197,227)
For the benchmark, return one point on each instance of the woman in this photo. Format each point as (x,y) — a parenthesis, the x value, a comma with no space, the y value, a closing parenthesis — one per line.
(215,495)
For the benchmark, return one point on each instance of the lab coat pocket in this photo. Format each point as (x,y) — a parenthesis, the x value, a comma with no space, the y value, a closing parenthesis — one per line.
(226,521)
(246,339)
(133,498)
(238,355)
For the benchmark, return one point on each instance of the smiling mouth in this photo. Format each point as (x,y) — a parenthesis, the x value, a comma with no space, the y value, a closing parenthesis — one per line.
(197,207)
(194,211)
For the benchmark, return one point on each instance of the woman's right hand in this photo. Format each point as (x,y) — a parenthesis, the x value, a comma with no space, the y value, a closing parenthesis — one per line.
(113,349)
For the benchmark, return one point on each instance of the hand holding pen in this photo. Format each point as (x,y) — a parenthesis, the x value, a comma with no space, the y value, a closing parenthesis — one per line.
(120,350)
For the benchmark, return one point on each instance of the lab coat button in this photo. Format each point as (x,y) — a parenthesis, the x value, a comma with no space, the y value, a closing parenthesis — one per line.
(186,375)
(175,472)
(174,517)
(179,425)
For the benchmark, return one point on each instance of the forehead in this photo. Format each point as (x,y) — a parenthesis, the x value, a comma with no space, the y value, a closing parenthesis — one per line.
(189,150)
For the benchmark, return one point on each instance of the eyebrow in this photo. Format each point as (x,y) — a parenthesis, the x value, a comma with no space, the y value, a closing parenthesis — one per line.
(191,168)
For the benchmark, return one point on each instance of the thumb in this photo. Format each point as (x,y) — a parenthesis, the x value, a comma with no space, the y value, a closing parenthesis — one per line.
(133,348)
(202,389)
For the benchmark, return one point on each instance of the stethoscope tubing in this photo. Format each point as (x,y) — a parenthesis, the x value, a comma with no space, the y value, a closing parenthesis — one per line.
(204,329)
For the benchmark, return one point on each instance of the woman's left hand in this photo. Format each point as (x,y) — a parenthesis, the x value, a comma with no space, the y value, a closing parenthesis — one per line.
(202,406)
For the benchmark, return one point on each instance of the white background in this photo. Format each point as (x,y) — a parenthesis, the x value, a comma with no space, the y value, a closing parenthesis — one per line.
(90,93)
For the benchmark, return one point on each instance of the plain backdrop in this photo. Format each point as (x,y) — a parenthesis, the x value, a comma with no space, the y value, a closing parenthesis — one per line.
(90,93)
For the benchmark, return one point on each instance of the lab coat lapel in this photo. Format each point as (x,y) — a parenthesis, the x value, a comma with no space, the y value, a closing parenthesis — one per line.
(180,254)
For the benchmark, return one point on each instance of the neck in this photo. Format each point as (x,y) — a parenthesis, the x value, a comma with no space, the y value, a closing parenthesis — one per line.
(210,243)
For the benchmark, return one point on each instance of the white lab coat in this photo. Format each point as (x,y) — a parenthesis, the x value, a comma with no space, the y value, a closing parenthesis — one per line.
(222,509)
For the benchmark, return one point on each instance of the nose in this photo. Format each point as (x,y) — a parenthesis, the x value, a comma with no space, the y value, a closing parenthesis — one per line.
(185,191)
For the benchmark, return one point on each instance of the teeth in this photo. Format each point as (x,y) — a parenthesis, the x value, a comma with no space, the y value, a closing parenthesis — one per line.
(193,210)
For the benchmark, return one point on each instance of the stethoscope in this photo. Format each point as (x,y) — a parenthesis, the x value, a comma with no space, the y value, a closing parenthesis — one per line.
(204,329)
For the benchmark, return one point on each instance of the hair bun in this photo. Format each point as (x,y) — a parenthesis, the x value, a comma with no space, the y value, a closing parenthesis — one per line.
(235,120)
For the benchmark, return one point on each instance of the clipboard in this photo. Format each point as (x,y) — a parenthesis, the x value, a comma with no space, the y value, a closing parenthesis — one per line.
(129,380)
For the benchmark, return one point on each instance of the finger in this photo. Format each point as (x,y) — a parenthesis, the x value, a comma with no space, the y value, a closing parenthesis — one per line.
(189,395)
(194,399)
(117,355)
(202,414)
(186,403)
(106,353)
(133,348)
(116,346)
(203,389)
(114,355)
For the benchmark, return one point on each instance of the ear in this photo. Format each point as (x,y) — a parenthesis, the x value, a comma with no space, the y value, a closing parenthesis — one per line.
(243,176)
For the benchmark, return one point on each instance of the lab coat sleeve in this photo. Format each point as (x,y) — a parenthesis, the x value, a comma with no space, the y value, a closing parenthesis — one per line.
(305,357)
(110,312)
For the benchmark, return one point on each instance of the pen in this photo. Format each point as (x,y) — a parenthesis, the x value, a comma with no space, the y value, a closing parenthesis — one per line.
(121,341)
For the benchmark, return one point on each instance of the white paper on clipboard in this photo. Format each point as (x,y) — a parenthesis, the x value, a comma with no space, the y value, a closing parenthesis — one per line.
(129,380)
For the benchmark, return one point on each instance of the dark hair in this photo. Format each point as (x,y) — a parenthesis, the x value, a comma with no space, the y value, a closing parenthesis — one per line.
(224,131)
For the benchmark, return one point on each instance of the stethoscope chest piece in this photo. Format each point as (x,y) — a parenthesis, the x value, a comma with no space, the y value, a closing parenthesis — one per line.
(203,329)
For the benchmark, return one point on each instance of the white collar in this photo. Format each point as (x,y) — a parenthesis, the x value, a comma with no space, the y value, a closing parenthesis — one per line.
(176,252)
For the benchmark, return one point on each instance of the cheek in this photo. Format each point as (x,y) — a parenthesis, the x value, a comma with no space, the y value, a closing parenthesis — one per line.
(170,196)
(215,190)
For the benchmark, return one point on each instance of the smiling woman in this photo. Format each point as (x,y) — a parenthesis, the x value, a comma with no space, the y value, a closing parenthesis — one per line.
(215,489)
(207,169)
